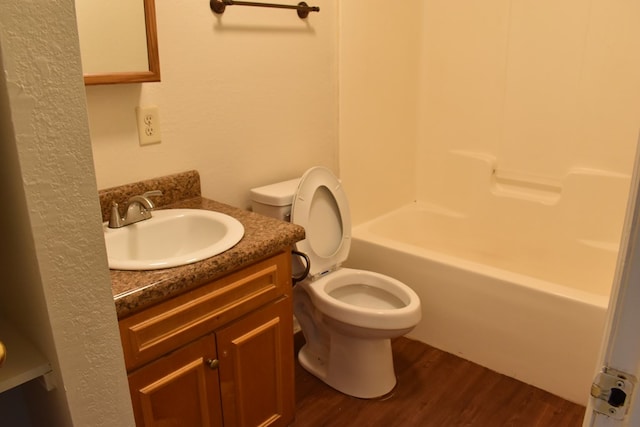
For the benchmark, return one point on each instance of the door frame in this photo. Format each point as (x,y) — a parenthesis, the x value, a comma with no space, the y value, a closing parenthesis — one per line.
(621,339)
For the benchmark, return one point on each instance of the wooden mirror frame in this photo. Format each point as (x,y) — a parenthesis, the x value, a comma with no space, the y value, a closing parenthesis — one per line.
(151,75)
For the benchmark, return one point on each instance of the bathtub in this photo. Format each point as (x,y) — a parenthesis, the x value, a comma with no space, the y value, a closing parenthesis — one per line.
(496,289)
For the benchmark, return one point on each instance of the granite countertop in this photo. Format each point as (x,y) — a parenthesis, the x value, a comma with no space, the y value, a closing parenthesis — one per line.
(263,236)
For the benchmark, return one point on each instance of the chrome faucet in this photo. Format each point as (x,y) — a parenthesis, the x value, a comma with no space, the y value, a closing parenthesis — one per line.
(138,209)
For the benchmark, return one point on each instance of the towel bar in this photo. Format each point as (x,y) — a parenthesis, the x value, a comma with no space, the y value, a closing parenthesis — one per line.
(303,9)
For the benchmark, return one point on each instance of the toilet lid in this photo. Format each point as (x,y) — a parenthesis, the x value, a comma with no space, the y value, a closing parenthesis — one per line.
(321,207)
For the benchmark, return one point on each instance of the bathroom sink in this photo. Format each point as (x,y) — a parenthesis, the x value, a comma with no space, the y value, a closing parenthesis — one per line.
(170,238)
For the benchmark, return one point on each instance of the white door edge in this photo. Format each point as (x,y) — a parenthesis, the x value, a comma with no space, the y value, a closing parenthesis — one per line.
(621,340)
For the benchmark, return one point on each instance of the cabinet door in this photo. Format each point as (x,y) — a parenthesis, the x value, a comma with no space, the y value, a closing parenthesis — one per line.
(257,367)
(179,389)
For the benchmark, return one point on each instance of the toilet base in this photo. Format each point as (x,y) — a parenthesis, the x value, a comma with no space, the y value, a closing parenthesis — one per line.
(357,367)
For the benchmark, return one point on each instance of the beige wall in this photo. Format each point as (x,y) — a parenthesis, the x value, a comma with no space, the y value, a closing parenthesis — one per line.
(246,98)
(544,87)
(379,88)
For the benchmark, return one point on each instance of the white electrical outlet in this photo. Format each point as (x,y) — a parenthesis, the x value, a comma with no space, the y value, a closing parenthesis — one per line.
(148,125)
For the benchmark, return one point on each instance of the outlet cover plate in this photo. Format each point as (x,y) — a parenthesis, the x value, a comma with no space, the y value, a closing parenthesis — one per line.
(148,125)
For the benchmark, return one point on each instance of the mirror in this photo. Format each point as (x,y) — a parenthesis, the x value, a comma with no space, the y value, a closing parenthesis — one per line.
(118,41)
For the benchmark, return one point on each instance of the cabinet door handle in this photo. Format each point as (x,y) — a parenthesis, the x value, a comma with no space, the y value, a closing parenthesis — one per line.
(3,353)
(213,363)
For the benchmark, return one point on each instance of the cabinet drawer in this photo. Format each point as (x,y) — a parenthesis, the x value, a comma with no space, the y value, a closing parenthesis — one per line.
(161,328)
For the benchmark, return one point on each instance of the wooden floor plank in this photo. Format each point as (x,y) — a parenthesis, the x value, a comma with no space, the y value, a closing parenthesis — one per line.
(435,389)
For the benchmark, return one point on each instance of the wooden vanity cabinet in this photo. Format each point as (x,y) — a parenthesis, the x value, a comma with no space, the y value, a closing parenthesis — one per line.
(220,355)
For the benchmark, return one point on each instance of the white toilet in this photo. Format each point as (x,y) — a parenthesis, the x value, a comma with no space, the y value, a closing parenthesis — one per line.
(347,316)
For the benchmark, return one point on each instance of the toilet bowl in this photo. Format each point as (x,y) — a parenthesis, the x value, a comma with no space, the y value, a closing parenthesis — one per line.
(347,316)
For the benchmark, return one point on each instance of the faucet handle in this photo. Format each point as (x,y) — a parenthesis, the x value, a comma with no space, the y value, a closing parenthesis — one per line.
(115,221)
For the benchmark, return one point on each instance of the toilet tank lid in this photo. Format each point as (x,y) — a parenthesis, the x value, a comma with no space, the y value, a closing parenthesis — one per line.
(278,194)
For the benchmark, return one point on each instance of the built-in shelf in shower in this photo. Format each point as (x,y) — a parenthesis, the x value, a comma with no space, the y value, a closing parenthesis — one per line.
(525,186)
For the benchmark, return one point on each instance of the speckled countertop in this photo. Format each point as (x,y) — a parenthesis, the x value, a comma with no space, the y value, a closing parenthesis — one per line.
(263,236)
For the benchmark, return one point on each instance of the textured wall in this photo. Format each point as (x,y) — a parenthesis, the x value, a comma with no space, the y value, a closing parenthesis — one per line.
(58,290)
(246,98)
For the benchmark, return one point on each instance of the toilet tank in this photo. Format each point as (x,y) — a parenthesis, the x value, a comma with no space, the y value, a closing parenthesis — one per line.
(275,199)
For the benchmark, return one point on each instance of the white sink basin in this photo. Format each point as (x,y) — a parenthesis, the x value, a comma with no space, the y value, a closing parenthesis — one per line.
(172,237)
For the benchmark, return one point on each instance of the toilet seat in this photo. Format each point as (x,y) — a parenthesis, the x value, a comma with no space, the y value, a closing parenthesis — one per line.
(320,205)
(381,315)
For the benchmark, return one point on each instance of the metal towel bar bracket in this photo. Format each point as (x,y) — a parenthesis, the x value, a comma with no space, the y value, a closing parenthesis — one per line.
(303,9)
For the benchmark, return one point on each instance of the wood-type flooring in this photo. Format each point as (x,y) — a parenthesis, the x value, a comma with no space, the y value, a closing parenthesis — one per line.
(435,389)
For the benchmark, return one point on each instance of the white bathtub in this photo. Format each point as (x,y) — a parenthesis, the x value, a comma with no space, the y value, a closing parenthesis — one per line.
(496,291)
